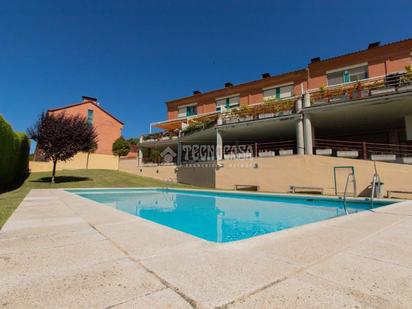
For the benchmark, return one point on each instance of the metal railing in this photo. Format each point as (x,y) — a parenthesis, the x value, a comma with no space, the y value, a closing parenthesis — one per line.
(362,150)
(394,82)
(263,110)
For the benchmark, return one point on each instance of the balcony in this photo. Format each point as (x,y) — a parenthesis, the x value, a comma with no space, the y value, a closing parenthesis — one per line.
(161,136)
(264,110)
(367,88)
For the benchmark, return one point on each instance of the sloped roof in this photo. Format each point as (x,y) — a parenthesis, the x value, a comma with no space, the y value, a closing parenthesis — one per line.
(86,102)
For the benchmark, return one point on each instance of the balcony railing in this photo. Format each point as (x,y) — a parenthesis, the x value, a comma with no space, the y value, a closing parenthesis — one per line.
(364,150)
(391,83)
(161,136)
(266,109)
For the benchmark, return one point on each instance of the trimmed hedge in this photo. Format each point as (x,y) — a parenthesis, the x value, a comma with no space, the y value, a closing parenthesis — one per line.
(14,154)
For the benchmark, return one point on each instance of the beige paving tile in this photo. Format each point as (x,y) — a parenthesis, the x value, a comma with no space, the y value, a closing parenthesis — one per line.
(142,239)
(163,299)
(19,267)
(44,241)
(216,276)
(308,291)
(369,276)
(96,286)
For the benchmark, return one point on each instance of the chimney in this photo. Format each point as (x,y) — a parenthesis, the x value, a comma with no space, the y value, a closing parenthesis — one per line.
(228,85)
(265,75)
(196,92)
(374,44)
(316,59)
(89,99)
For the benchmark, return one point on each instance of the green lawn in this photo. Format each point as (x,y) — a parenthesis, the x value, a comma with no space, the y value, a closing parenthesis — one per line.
(9,200)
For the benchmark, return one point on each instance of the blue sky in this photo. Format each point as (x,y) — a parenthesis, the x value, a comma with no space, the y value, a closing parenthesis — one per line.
(135,55)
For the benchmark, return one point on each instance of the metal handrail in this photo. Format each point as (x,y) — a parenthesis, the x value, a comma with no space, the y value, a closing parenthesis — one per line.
(345,193)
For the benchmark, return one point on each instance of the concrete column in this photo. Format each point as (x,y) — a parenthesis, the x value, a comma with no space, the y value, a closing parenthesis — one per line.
(299,105)
(308,133)
(306,99)
(300,142)
(179,153)
(219,146)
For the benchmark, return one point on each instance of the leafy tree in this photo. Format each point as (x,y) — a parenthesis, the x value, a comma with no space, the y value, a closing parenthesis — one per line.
(91,150)
(62,136)
(120,147)
(133,141)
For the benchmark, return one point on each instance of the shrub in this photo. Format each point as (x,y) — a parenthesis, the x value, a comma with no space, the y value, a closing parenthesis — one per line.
(14,154)
(120,147)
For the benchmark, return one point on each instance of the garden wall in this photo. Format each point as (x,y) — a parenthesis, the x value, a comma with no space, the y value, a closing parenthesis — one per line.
(14,154)
(79,161)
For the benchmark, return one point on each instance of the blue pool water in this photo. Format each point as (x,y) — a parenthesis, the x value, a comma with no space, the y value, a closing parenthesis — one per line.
(221,216)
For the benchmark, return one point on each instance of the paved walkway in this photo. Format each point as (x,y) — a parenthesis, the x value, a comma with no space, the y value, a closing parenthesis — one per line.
(59,250)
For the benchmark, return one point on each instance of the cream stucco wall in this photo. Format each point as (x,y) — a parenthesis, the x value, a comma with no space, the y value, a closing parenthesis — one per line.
(278,173)
(79,161)
(157,172)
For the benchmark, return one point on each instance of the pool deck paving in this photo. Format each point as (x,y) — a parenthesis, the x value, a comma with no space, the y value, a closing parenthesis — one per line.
(59,250)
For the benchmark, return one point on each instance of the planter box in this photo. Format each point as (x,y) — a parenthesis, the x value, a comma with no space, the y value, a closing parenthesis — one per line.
(405,88)
(324,152)
(244,155)
(266,115)
(339,98)
(382,91)
(407,160)
(149,140)
(266,154)
(219,121)
(248,118)
(165,138)
(232,120)
(321,101)
(174,137)
(285,113)
(287,152)
(348,153)
(383,157)
(229,156)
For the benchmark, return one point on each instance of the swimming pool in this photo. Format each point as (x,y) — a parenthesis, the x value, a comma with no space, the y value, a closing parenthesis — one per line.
(223,216)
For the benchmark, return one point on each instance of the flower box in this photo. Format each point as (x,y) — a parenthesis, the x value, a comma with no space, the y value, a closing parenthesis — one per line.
(266,115)
(286,152)
(149,140)
(285,113)
(324,152)
(232,120)
(339,98)
(165,138)
(229,156)
(405,88)
(407,160)
(383,157)
(348,153)
(266,154)
(321,101)
(246,118)
(382,91)
(175,137)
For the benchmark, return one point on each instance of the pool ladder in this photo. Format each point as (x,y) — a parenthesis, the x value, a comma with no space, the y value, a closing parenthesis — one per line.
(349,179)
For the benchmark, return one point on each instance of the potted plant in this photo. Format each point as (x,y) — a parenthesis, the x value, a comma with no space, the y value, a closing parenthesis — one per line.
(285,152)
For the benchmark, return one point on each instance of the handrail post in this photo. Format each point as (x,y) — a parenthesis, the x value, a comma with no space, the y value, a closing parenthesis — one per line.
(365,151)
(256,150)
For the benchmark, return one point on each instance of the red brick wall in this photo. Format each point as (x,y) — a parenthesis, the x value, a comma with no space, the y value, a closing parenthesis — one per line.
(108,129)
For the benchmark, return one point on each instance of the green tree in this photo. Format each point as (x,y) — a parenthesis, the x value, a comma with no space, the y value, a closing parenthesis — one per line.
(62,136)
(120,147)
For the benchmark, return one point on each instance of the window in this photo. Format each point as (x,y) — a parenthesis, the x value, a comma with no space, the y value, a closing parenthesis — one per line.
(186,111)
(90,116)
(227,103)
(280,92)
(348,75)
